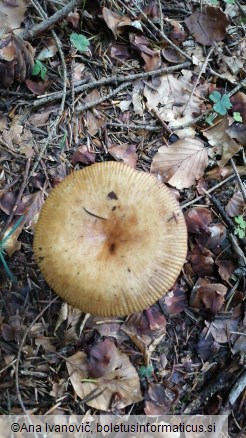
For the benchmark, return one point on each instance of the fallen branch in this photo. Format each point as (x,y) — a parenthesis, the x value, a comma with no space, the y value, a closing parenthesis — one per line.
(111,80)
(29,34)
(96,102)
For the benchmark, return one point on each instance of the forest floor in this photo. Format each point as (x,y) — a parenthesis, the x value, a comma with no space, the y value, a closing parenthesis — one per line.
(159,86)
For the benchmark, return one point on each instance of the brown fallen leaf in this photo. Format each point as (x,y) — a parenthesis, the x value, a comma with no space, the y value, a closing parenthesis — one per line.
(206,346)
(238,102)
(124,152)
(202,261)
(224,172)
(236,205)
(208,25)
(174,302)
(181,163)
(160,399)
(223,144)
(226,268)
(216,235)
(210,295)
(238,132)
(197,220)
(116,23)
(16,59)
(221,329)
(117,378)
(172,97)
(82,155)
(12,13)
(151,58)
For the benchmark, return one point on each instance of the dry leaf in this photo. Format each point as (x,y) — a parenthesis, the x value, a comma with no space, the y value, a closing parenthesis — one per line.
(49,50)
(197,220)
(82,155)
(174,302)
(223,144)
(208,25)
(221,329)
(172,98)
(226,268)
(238,131)
(236,205)
(201,261)
(116,23)
(210,294)
(124,152)
(238,102)
(181,163)
(12,14)
(118,381)
(161,401)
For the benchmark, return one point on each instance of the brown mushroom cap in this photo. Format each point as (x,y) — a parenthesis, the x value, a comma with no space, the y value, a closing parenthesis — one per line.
(110,240)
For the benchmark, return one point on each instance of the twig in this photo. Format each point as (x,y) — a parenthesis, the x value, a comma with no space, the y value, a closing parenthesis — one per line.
(16,93)
(163,124)
(102,99)
(131,126)
(18,200)
(205,114)
(113,80)
(240,255)
(190,122)
(136,17)
(243,12)
(161,21)
(21,345)
(202,70)
(221,210)
(63,95)
(44,25)
(237,389)
(242,187)
(163,35)
(198,198)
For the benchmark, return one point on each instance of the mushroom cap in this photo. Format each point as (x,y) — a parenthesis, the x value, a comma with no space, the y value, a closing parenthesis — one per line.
(110,240)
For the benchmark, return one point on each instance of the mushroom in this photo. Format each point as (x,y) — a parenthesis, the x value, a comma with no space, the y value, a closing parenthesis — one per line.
(110,240)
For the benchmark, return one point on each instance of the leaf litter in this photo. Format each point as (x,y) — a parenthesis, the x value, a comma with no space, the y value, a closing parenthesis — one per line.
(164,122)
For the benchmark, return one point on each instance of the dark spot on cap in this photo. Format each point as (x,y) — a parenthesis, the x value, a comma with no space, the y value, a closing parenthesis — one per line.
(129,270)
(112,248)
(114,208)
(112,195)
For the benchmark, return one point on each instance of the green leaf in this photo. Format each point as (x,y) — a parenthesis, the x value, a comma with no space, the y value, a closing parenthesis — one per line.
(215,96)
(80,42)
(240,221)
(220,109)
(230,2)
(39,69)
(225,100)
(214,2)
(210,118)
(240,233)
(146,371)
(237,117)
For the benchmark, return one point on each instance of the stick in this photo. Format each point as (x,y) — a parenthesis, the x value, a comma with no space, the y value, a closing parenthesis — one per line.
(46,24)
